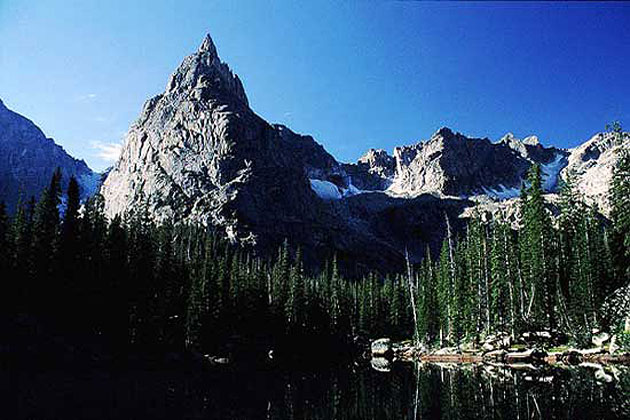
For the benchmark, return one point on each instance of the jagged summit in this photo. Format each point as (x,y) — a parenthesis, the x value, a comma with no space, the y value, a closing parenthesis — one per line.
(444,132)
(509,137)
(207,46)
(531,140)
(203,75)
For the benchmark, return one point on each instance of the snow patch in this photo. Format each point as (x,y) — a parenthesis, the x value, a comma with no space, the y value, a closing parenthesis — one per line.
(89,184)
(325,190)
(502,192)
(551,171)
(351,190)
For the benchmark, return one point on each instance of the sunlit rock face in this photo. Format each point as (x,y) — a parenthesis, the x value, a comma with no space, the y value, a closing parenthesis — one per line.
(199,153)
(592,164)
(453,165)
(28,159)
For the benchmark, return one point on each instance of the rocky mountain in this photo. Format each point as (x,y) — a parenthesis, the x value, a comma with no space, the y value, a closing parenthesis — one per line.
(199,153)
(592,164)
(451,164)
(28,159)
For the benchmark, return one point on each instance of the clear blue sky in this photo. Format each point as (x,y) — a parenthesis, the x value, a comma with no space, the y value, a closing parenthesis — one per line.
(354,75)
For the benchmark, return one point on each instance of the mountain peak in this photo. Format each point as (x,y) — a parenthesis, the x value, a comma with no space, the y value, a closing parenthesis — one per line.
(203,74)
(531,140)
(444,132)
(207,46)
(509,136)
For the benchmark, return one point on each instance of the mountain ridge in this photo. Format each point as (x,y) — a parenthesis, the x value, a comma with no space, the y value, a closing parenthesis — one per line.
(28,159)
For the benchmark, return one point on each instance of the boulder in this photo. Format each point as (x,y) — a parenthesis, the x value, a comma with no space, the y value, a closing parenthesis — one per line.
(600,339)
(536,336)
(381,347)
(530,356)
(487,346)
(602,376)
(496,341)
(447,350)
(495,356)
(381,364)
(613,346)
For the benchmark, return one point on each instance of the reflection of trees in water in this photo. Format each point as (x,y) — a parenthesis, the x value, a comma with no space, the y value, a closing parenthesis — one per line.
(423,392)
(434,392)
(407,392)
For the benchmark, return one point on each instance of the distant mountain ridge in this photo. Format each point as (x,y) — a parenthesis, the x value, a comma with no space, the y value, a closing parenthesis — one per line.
(28,159)
(451,164)
(199,153)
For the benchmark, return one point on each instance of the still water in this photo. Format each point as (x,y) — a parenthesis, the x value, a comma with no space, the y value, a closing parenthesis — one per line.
(408,391)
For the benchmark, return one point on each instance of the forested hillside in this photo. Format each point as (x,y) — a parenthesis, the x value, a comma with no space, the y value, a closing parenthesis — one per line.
(135,285)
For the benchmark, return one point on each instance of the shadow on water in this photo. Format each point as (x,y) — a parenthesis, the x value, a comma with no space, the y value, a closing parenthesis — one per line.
(357,392)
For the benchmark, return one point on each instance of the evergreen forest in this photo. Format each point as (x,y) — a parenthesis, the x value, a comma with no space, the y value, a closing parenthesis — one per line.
(136,285)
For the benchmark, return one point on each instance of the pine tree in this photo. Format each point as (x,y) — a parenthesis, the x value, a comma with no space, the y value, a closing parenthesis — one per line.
(45,243)
(21,239)
(571,217)
(68,261)
(429,316)
(537,254)
(334,305)
(573,261)
(141,263)
(116,290)
(444,294)
(7,282)
(169,292)
(295,304)
(620,207)
(501,298)
(197,308)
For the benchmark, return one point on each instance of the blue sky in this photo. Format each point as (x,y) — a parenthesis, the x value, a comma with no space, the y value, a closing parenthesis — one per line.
(354,75)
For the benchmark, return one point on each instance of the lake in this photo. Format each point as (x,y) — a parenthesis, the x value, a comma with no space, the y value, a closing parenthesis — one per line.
(357,391)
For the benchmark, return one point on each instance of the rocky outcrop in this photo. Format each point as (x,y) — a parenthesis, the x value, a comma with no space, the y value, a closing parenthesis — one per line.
(374,171)
(453,165)
(28,159)
(592,164)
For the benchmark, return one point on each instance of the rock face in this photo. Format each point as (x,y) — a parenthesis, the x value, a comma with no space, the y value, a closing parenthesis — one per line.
(592,163)
(199,153)
(28,160)
(451,164)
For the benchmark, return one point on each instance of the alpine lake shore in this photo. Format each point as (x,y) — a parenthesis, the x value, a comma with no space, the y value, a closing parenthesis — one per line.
(531,351)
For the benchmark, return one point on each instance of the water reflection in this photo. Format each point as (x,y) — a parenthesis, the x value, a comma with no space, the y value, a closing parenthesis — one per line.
(359,392)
